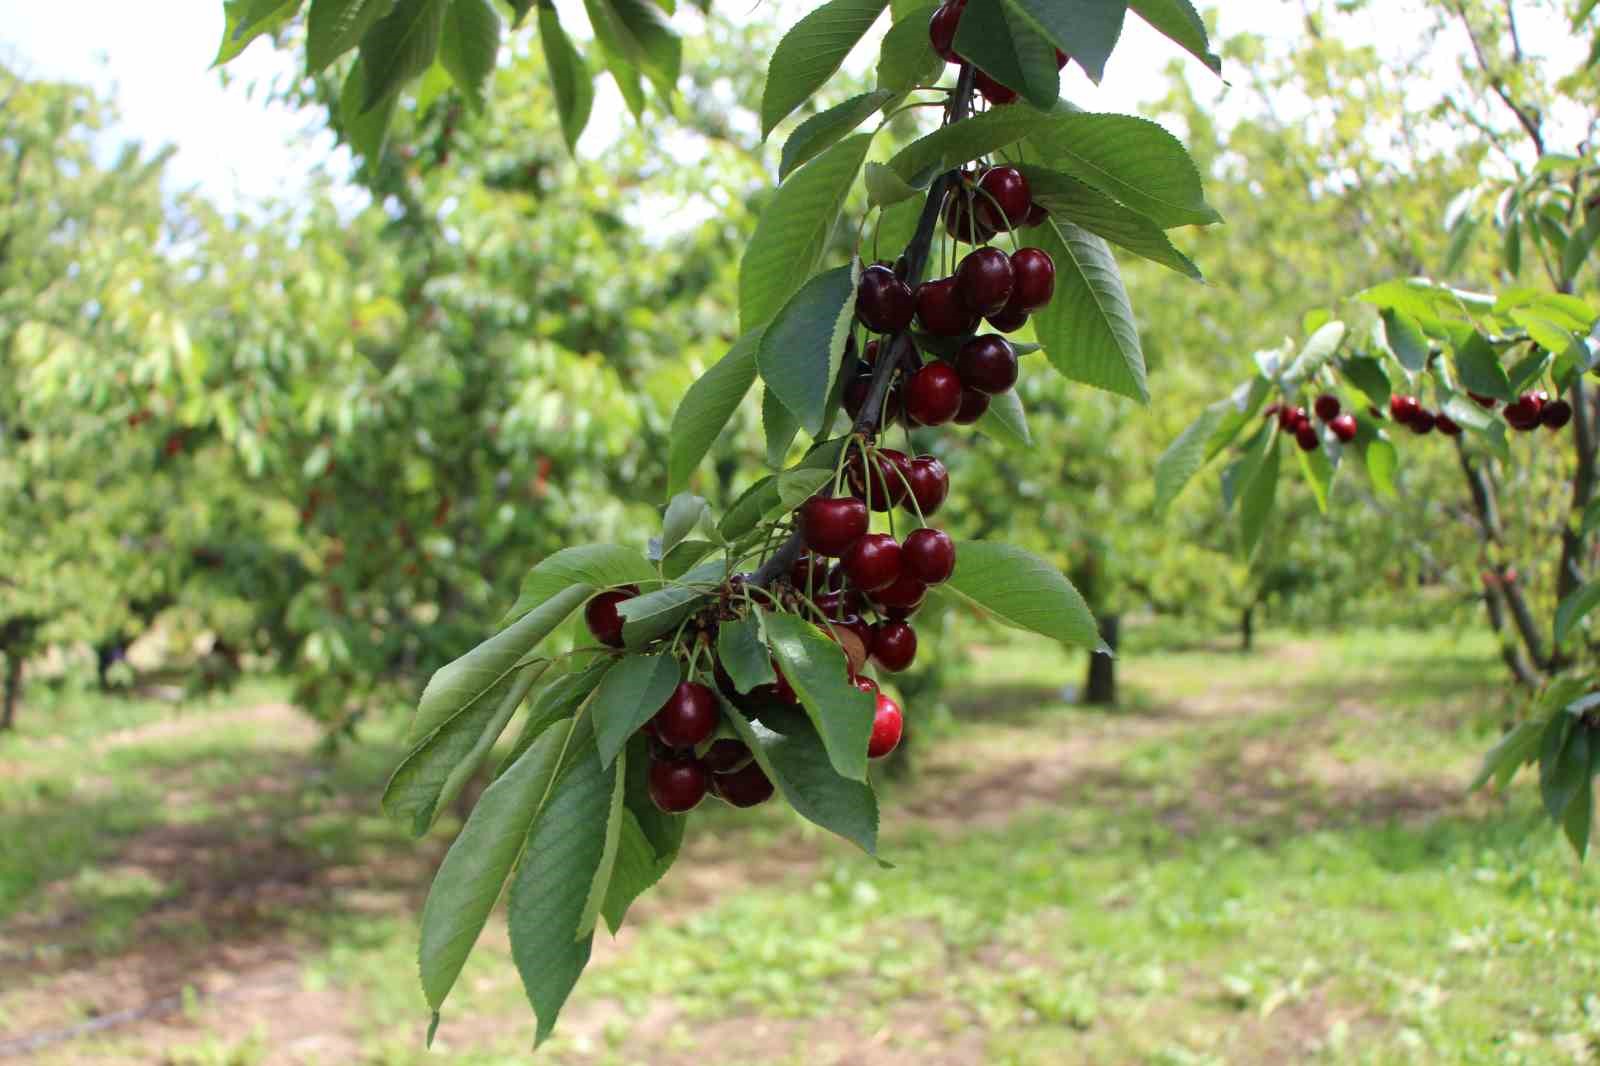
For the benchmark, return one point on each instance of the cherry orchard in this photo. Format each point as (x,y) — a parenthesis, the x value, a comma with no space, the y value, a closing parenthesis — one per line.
(749,657)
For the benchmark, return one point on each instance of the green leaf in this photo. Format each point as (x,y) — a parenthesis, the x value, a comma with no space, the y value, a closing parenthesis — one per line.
(569,76)
(1366,374)
(1382,460)
(632,692)
(1318,471)
(1406,340)
(245,20)
(1006,422)
(1479,370)
(559,700)
(754,504)
(683,558)
(1591,518)
(1579,819)
(994,37)
(457,706)
(600,884)
(1564,764)
(365,130)
(637,32)
(1070,200)
(635,870)
(594,566)
(654,614)
(1023,591)
(793,231)
(885,189)
(781,428)
(1259,493)
(790,753)
(1086,30)
(706,408)
(743,655)
(1518,748)
(801,352)
(1181,23)
(469,46)
(1319,348)
(1575,608)
(1088,330)
(335,26)
(1131,159)
(469,766)
(823,130)
(1185,456)
(919,162)
(663,831)
(550,889)
(810,53)
(400,46)
(684,512)
(475,868)
(907,58)
(820,675)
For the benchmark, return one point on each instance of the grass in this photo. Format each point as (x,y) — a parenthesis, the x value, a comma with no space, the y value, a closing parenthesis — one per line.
(1258,858)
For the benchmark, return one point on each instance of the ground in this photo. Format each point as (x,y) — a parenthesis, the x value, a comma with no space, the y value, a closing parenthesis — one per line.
(1258,859)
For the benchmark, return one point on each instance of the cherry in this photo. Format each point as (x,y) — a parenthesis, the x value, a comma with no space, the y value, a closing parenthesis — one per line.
(884,303)
(888,479)
(1036,216)
(941,310)
(961,222)
(1061,59)
(689,716)
(601,614)
(865,683)
(873,562)
(993,91)
(1404,408)
(929,555)
(1327,407)
(1446,425)
(1290,417)
(1003,198)
(1422,423)
(808,572)
(839,603)
(726,755)
(1482,400)
(830,525)
(984,281)
(987,364)
(1525,412)
(1009,320)
(907,593)
(1344,427)
(930,483)
(933,394)
(942,30)
(1306,437)
(1556,415)
(748,786)
(888,723)
(869,354)
(855,395)
(894,645)
(1035,286)
(678,785)
(973,406)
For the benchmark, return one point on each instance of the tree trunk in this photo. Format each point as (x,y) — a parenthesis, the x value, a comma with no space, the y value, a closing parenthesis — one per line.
(8,715)
(1247,629)
(1100,687)
(1524,656)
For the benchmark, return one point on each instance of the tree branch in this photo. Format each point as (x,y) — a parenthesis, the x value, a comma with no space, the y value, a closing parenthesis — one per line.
(1529,123)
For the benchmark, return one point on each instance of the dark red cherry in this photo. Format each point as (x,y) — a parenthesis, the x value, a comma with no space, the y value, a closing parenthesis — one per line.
(884,303)
(726,755)
(1036,216)
(678,785)
(987,364)
(1003,198)
(1327,407)
(1306,437)
(1344,427)
(942,30)
(930,484)
(808,571)
(888,480)
(894,645)
(1404,408)
(961,222)
(748,786)
(689,716)
(973,406)
(1556,414)
(941,310)
(1035,285)
(600,613)
(869,354)
(984,281)
(1008,320)
(830,525)
(888,723)
(873,562)
(855,395)
(993,91)
(864,683)
(1441,421)
(933,394)
(1483,401)
(907,594)
(929,555)
(1422,423)
(1525,413)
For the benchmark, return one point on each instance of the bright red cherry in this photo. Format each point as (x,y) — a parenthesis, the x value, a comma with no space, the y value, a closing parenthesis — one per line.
(726,755)
(1422,423)
(993,91)
(1344,427)
(1290,417)
(678,785)
(941,310)
(973,406)
(1444,424)
(1009,320)
(689,716)
(1035,285)
(1556,414)
(884,303)
(873,562)
(1003,198)
(830,525)
(942,30)
(894,645)
(1327,407)
(929,555)
(930,484)
(865,683)
(1404,408)
(748,786)
(933,394)
(987,364)
(984,280)
(601,614)
(888,722)
(907,593)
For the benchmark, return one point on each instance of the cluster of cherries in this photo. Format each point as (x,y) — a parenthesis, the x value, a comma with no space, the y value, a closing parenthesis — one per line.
(1531,410)
(942,32)
(1294,420)
(1526,413)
